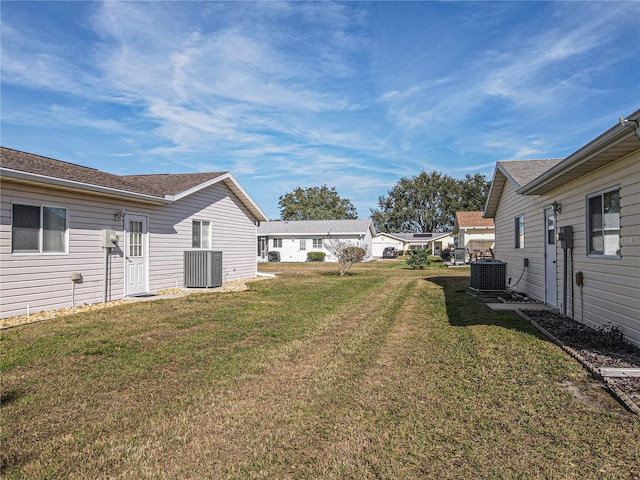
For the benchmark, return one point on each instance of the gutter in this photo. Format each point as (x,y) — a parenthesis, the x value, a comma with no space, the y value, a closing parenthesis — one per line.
(607,140)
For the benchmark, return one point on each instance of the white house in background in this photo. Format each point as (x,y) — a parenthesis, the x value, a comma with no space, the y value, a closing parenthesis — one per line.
(569,229)
(384,240)
(293,239)
(435,242)
(117,236)
(474,233)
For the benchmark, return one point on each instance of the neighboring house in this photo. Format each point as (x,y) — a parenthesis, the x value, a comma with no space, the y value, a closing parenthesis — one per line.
(593,274)
(435,242)
(384,240)
(474,233)
(55,215)
(294,239)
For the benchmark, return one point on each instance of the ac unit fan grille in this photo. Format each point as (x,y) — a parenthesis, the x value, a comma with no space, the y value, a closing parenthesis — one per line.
(202,269)
(487,276)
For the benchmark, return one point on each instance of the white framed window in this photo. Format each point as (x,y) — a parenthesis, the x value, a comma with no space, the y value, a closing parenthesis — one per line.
(200,234)
(38,229)
(303,244)
(519,231)
(603,223)
(277,243)
(317,243)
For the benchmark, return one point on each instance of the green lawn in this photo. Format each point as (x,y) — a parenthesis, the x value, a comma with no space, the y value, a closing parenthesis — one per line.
(383,373)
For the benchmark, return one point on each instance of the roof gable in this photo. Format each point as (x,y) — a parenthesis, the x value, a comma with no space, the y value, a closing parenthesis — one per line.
(173,184)
(518,173)
(521,172)
(472,219)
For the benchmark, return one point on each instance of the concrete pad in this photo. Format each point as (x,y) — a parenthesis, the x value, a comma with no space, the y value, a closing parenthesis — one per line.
(619,372)
(502,307)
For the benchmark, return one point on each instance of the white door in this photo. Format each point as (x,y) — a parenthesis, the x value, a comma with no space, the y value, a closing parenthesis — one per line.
(551,274)
(136,236)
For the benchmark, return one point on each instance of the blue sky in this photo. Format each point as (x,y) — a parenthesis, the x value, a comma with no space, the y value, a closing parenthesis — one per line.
(352,95)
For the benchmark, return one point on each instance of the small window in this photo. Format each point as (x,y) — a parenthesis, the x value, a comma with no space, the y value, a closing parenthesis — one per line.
(201,234)
(551,230)
(317,243)
(38,229)
(603,220)
(136,239)
(519,230)
(277,243)
(303,244)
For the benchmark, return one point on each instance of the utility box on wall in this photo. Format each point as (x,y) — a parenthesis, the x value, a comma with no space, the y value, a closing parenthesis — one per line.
(109,238)
(202,269)
(565,236)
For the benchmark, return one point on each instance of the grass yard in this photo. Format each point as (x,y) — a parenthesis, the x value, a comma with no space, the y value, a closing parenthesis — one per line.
(384,373)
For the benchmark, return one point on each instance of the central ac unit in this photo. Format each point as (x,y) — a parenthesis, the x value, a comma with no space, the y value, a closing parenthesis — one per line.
(488,275)
(202,268)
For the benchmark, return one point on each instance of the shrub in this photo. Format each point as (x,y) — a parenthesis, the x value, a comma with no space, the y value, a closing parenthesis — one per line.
(316,256)
(400,253)
(346,252)
(418,259)
(446,254)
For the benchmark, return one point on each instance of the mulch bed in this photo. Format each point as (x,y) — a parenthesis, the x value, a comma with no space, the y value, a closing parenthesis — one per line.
(595,348)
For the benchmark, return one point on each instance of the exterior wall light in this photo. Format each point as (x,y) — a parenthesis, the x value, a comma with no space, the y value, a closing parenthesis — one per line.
(625,122)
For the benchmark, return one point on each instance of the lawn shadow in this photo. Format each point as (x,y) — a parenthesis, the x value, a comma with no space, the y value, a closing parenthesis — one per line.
(464,310)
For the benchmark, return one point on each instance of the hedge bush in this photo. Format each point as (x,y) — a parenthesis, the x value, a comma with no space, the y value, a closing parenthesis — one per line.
(316,256)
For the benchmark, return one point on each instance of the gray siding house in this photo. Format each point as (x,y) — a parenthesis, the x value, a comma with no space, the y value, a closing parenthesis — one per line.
(116,236)
(569,229)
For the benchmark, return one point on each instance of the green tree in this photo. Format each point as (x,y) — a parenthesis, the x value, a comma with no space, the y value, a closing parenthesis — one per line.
(428,202)
(473,192)
(315,203)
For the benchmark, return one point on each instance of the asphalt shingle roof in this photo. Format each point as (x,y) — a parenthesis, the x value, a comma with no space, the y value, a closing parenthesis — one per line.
(154,185)
(473,219)
(172,184)
(525,171)
(320,227)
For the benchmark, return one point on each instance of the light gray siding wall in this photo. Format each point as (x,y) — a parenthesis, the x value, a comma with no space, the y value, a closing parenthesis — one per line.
(42,282)
(611,292)
(233,232)
(511,205)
